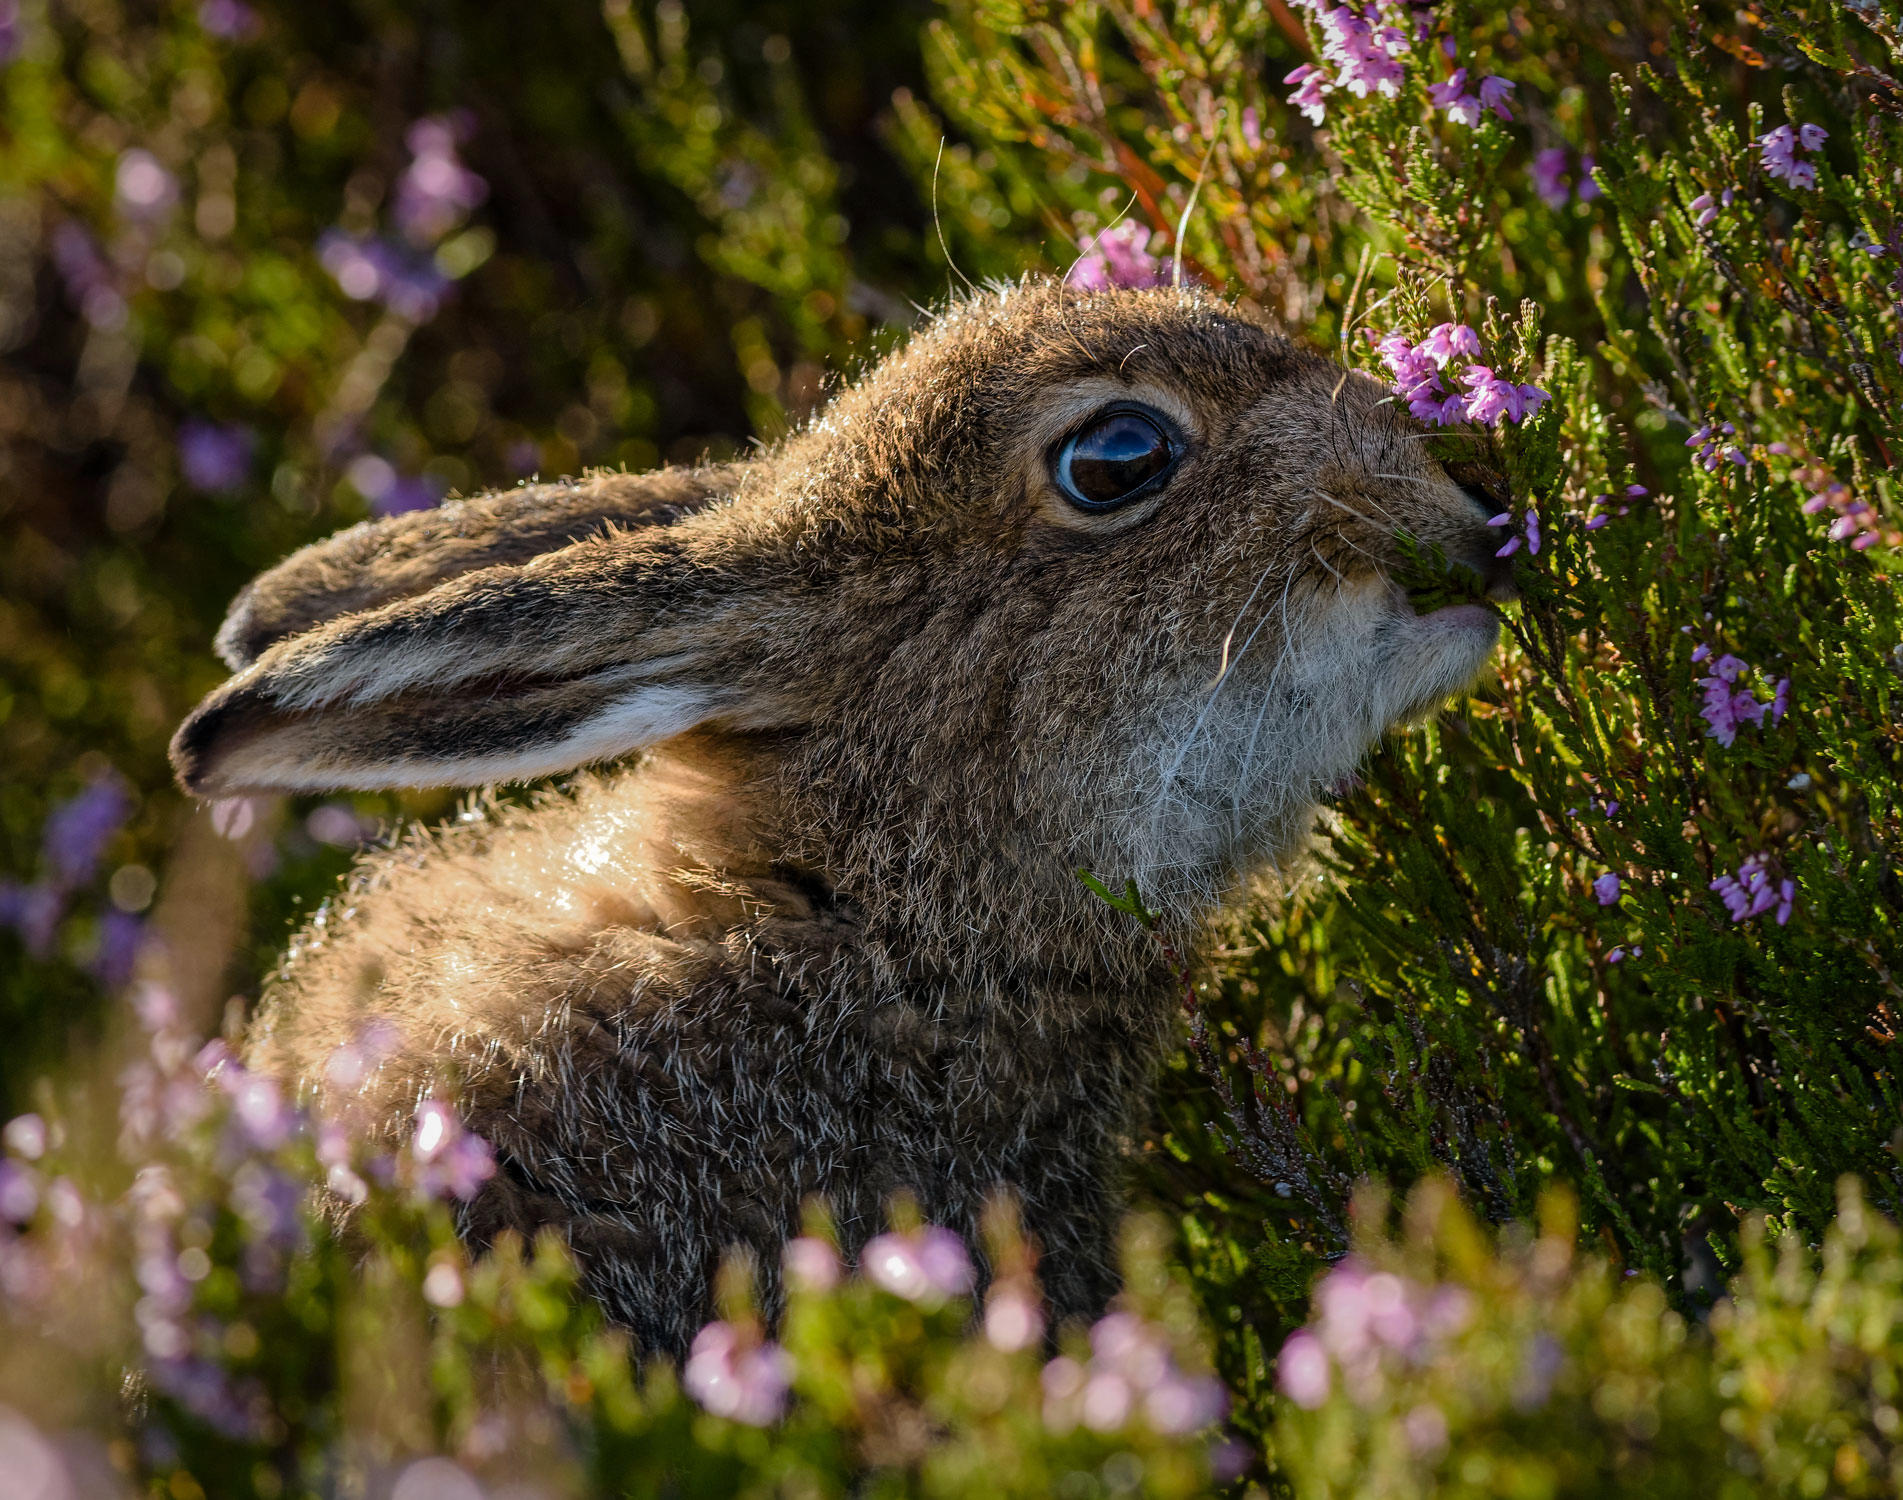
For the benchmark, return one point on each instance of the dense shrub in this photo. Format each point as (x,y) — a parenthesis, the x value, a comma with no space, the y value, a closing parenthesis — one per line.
(1610,948)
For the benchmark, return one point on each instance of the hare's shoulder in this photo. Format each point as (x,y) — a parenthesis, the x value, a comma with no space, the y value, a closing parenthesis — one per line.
(469,950)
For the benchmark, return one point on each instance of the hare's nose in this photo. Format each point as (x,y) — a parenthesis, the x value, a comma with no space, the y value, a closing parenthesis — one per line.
(1481,553)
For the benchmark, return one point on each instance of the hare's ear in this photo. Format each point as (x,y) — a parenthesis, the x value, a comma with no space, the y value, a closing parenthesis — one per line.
(502,675)
(398,558)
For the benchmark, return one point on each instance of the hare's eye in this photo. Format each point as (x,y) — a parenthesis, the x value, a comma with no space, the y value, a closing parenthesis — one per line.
(1113,460)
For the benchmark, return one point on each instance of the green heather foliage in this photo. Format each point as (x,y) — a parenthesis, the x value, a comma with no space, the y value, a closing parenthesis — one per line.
(1608,950)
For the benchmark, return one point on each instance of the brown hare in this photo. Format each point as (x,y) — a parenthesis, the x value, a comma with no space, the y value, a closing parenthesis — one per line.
(1070,580)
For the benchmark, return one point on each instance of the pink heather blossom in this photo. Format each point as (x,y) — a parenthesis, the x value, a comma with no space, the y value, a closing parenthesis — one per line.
(1448,341)
(25,1136)
(1755,889)
(1117,257)
(1705,207)
(1013,1318)
(1131,1373)
(1607,888)
(1549,177)
(925,1267)
(1308,98)
(1462,108)
(1777,150)
(1855,521)
(1712,448)
(1364,51)
(1251,128)
(452,1161)
(1729,704)
(1493,95)
(436,191)
(443,1285)
(19,1192)
(1302,1370)
(1588,184)
(733,1378)
(811,1264)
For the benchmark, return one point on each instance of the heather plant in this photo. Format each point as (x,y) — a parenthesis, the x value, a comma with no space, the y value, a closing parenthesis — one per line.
(1609,949)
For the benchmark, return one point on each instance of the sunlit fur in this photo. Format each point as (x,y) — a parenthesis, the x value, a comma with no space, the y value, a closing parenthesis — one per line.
(824,936)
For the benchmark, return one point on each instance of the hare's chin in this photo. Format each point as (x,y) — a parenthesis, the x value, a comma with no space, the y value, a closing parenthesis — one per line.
(1444,653)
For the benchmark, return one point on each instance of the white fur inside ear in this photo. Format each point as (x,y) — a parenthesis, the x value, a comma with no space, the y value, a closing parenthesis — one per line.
(286,759)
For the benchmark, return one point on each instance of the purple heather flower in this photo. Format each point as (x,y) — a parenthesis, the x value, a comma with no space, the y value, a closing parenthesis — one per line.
(120,933)
(1777,150)
(1781,700)
(1512,546)
(1593,523)
(232,817)
(1013,1318)
(143,190)
(19,1191)
(267,1201)
(436,191)
(1493,95)
(79,829)
(213,457)
(1307,98)
(1705,207)
(443,1285)
(1728,706)
(452,1160)
(1588,184)
(1755,889)
(337,824)
(925,1267)
(731,1378)
(409,492)
(1131,1371)
(406,283)
(1117,257)
(1302,1370)
(1607,888)
(1549,177)
(1533,532)
(25,1136)
(1364,51)
(34,912)
(1462,108)
(230,19)
(811,1264)
(1505,518)
(1251,128)
(1448,341)
(258,1107)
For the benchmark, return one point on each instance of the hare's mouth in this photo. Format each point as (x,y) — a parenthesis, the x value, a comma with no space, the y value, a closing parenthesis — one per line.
(1429,582)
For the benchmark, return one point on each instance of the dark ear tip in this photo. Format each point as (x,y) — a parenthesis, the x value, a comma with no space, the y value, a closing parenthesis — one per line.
(190,753)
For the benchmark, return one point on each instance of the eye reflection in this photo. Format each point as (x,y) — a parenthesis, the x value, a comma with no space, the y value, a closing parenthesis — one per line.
(1113,460)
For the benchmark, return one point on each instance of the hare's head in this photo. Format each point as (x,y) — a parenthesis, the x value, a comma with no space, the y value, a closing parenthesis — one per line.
(1071,579)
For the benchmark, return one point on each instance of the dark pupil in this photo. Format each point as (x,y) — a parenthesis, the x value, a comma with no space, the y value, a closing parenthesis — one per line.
(1115,457)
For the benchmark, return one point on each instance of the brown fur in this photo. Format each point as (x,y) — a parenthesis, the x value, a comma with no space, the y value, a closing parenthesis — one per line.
(825,936)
